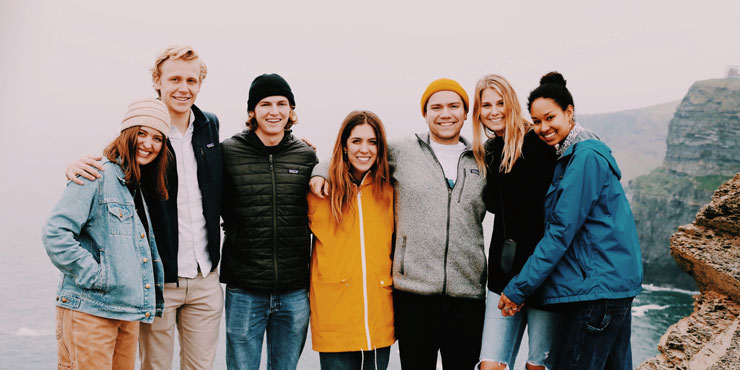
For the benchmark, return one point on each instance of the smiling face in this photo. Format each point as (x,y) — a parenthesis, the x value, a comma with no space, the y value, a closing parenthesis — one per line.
(493,111)
(445,116)
(362,150)
(551,123)
(148,144)
(272,115)
(179,84)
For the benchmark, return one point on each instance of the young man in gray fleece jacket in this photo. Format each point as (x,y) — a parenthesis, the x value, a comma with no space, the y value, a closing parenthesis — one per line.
(439,261)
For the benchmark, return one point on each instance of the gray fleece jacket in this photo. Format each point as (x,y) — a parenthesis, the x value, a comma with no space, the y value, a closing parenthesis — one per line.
(439,246)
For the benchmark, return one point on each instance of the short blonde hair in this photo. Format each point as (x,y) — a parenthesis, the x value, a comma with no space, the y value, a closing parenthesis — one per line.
(174,52)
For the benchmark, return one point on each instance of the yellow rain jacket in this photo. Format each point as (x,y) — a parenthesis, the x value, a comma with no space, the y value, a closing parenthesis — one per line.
(351,285)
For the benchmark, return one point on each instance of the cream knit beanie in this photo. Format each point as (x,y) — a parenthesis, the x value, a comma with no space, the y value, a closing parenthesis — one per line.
(149,112)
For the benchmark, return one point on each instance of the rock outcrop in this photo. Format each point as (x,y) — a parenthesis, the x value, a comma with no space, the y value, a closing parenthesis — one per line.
(709,250)
(702,152)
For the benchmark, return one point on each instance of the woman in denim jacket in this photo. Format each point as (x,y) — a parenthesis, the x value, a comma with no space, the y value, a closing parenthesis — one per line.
(588,262)
(99,236)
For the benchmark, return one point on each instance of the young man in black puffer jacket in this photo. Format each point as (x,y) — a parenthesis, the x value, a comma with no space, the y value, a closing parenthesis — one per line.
(267,241)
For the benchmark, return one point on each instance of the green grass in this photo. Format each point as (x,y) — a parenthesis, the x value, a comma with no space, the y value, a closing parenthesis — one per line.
(710,182)
(662,183)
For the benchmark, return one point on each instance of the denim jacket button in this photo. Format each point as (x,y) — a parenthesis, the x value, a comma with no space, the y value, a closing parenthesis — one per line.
(57,298)
(64,300)
(147,286)
(147,314)
(144,259)
(143,235)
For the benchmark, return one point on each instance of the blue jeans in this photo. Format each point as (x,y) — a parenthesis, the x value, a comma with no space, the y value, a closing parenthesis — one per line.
(503,335)
(370,360)
(284,316)
(595,335)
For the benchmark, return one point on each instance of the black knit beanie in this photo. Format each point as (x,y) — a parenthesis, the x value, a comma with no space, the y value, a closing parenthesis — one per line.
(268,85)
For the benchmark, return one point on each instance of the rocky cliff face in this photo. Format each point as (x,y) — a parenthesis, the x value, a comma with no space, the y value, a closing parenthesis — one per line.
(709,250)
(704,134)
(702,152)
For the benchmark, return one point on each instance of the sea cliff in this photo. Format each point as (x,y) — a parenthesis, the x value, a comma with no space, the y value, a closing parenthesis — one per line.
(702,151)
(709,251)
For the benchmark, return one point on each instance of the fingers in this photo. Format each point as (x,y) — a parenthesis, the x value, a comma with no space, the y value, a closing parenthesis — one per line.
(508,307)
(86,167)
(308,143)
(317,184)
(74,179)
(325,189)
(93,160)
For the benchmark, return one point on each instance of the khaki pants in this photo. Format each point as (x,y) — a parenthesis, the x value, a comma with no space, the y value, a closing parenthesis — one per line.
(195,306)
(87,342)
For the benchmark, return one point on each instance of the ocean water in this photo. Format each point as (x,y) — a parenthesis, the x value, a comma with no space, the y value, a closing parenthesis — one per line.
(27,338)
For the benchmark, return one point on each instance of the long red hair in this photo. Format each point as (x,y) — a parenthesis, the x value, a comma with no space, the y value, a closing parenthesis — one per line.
(122,150)
(343,189)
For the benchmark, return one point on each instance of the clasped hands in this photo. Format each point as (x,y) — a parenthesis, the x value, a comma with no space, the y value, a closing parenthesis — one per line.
(507,307)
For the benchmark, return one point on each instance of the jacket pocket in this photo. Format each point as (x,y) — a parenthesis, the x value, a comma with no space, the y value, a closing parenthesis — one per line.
(401,255)
(331,297)
(385,299)
(462,186)
(599,316)
(101,282)
(120,218)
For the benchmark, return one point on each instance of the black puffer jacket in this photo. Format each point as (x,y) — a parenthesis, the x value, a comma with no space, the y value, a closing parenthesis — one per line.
(267,241)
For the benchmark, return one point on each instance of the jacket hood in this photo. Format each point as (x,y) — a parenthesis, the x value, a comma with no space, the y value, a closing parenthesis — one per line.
(589,140)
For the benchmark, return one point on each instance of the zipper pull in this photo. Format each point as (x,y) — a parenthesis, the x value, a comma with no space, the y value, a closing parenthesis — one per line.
(271,168)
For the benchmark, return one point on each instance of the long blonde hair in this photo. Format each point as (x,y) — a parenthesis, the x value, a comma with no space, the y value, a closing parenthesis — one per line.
(340,180)
(515,124)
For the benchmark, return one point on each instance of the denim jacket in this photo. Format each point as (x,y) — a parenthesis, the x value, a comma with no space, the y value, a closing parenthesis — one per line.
(95,238)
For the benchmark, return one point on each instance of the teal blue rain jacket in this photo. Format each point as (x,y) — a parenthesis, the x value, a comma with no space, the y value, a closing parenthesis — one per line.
(590,249)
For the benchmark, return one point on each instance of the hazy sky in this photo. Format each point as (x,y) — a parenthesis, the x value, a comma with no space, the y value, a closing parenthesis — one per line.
(71,67)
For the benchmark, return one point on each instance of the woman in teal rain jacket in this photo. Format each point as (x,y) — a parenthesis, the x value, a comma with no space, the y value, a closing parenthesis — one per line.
(588,263)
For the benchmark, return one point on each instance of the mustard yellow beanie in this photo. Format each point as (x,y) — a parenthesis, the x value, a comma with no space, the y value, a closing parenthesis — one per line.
(441,85)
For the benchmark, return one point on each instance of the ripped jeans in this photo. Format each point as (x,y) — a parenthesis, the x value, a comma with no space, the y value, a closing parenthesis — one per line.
(503,335)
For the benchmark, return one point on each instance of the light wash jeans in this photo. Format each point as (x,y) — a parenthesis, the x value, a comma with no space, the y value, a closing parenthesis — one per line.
(284,316)
(503,335)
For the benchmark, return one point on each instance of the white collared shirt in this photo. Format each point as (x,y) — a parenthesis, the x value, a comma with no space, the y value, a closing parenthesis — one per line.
(191,223)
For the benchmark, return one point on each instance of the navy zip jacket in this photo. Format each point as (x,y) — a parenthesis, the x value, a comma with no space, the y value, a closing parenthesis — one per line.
(164,212)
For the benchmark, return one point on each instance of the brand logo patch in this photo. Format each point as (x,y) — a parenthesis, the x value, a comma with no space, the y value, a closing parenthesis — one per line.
(475,171)
(209,145)
(292,171)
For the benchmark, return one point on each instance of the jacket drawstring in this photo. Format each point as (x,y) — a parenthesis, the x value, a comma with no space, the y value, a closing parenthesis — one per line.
(375,352)
(362,358)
